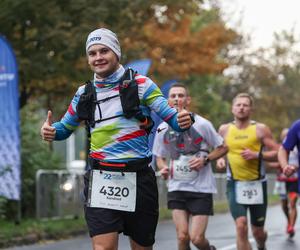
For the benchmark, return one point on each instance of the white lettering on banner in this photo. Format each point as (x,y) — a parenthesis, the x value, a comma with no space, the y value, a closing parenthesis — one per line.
(113,190)
(7,76)
(249,192)
(181,169)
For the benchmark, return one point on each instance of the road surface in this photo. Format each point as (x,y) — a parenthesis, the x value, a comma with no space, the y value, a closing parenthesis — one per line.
(220,232)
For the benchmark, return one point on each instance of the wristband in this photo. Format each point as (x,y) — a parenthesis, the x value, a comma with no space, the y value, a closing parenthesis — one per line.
(192,116)
(206,160)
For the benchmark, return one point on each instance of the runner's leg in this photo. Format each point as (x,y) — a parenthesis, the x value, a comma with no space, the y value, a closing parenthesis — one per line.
(107,241)
(292,212)
(285,208)
(260,235)
(198,228)
(181,221)
(242,233)
(135,246)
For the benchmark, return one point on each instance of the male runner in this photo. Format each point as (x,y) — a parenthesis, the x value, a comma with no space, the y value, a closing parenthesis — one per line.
(120,189)
(191,183)
(247,143)
(287,188)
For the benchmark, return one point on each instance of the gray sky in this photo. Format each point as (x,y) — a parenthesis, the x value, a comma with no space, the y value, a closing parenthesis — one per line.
(261,18)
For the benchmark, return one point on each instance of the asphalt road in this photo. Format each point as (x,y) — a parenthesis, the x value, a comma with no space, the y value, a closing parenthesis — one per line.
(220,232)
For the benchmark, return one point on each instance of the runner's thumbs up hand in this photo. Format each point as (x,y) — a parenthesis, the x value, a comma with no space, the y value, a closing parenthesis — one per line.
(183,118)
(47,131)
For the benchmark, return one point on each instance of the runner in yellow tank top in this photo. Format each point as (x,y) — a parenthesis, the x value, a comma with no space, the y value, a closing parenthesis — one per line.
(245,141)
(237,140)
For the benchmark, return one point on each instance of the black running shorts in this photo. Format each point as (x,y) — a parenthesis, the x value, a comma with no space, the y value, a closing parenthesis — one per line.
(193,202)
(140,225)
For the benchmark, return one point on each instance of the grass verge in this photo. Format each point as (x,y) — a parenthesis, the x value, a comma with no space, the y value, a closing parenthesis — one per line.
(30,230)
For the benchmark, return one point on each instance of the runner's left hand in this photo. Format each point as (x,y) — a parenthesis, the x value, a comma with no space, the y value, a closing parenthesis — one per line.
(248,154)
(288,170)
(196,163)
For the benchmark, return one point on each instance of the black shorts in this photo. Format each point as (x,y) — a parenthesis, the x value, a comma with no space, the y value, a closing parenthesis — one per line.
(193,202)
(139,225)
(292,187)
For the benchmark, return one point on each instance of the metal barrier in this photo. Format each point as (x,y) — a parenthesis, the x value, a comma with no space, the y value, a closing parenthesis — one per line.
(59,192)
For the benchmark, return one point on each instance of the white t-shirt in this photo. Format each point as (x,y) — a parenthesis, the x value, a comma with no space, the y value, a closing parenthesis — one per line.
(204,181)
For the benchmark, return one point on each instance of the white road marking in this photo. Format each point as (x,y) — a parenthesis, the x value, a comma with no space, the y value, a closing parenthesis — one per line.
(251,240)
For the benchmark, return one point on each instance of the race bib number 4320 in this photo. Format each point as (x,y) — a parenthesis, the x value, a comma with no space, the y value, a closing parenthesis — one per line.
(249,192)
(113,190)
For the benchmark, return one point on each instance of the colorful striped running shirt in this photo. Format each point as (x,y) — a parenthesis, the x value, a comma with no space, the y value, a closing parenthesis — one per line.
(118,139)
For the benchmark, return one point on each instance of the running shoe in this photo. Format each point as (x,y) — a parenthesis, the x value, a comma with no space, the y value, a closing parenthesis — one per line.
(291,231)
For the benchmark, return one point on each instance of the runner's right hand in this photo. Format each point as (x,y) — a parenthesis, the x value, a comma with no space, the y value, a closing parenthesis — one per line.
(221,164)
(164,173)
(47,131)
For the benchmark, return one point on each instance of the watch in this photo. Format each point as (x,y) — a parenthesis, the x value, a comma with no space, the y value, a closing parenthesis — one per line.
(206,160)
(192,117)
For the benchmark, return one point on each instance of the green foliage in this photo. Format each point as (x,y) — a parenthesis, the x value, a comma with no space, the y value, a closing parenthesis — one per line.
(271,76)
(206,98)
(48,37)
(35,154)
(31,230)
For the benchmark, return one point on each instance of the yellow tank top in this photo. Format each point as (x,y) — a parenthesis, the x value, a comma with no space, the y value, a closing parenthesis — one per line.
(237,140)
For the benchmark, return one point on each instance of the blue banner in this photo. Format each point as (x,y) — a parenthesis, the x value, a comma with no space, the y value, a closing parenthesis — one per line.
(141,66)
(10,178)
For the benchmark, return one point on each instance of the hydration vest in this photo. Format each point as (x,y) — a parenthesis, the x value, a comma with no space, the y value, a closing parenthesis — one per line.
(128,93)
(185,143)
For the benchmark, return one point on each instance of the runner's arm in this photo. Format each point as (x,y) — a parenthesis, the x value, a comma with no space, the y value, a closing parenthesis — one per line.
(70,121)
(283,156)
(221,161)
(218,152)
(154,99)
(264,133)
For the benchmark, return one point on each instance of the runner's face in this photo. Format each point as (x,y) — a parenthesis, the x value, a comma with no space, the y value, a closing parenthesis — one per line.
(102,60)
(241,108)
(178,95)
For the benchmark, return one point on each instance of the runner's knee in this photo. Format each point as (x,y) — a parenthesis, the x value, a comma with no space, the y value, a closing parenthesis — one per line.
(242,227)
(199,240)
(183,236)
(259,233)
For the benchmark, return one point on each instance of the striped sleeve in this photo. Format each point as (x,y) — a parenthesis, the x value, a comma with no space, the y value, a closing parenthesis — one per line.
(154,99)
(70,120)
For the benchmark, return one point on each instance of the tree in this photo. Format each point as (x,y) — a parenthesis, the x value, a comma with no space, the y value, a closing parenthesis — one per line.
(48,39)
(272,76)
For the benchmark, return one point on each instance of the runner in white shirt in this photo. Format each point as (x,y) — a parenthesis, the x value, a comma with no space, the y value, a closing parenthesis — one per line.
(184,159)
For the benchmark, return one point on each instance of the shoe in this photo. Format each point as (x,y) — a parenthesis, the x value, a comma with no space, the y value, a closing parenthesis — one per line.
(212,247)
(261,248)
(291,231)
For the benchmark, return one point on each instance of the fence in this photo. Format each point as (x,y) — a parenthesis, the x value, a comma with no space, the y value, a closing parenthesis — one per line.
(59,192)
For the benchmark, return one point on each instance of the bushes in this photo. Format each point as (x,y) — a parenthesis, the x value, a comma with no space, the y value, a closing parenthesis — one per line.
(35,154)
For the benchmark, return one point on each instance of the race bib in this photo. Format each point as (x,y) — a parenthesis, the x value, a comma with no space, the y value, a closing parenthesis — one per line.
(280,188)
(112,190)
(180,169)
(249,192)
